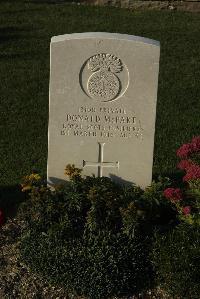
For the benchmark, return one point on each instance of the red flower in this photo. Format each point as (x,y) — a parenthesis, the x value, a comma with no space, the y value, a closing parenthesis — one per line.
(196,144)
(193,173)
(186,210)
(185,150)
(185,164)
(1,217)
(173,194)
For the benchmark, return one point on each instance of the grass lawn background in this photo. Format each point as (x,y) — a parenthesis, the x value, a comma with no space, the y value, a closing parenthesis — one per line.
(25,32)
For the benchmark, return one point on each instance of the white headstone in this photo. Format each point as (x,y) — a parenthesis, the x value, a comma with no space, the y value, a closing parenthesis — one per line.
(103,92)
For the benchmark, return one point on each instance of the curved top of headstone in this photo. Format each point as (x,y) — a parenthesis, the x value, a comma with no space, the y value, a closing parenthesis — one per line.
(104,35)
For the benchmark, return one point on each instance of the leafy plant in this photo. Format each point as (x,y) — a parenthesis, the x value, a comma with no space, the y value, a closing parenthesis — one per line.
(93,236)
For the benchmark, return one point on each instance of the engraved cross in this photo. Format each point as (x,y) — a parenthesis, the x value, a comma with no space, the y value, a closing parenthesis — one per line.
(100,164)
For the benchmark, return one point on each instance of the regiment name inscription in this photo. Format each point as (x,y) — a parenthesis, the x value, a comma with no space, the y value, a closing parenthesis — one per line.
(101,122)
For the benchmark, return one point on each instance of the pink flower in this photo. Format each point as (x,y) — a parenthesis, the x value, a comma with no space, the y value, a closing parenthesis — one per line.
(196,144)
(2,219)
(193,173)
(186,210)
(173,194)
(185,150)
(185,164)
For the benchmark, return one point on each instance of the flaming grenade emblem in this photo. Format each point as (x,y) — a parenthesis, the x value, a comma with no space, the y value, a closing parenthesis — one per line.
(104,84)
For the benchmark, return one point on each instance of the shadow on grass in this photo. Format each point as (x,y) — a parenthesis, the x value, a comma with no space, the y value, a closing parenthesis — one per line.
(176,177)
(10,199)
(18,11)
(24,55)
(8,33)
(14,33)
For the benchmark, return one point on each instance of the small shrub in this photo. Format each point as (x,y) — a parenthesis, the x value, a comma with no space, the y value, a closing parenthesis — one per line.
(96,266)
(92,236)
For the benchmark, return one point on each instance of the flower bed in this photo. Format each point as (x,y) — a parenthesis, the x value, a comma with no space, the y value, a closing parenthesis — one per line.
(96,239)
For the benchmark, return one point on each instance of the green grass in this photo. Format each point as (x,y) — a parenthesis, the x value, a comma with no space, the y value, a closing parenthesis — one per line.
(25,32)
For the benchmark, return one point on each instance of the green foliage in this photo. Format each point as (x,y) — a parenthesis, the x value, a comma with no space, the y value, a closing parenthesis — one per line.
(192,201)
(149,209)
(193,194)
(91,235)
(177,260)
(96,266)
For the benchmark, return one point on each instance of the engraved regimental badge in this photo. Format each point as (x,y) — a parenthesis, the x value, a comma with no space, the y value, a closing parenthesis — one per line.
(104,83)
(104,77)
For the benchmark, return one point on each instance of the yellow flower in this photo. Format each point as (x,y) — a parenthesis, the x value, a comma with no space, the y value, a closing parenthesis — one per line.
(26,187)
(72,171)
(34,176)
(29,181)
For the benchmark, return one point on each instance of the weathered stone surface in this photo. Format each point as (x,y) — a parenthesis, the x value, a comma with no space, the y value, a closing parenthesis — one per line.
(103,90)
